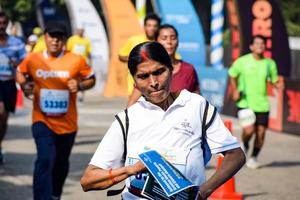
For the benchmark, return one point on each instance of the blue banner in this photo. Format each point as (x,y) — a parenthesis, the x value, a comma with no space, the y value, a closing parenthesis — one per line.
(213,83)
(183,16)
(48,11)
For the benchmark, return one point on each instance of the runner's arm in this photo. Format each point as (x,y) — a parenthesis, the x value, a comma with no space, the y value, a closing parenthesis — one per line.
(80,85)
(20,78)
(236,93)
(27,86)
(233,160)
(86,84)
(95,178)
(279,84)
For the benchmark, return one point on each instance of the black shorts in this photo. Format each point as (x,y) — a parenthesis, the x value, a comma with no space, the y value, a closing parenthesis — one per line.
(8,95)
(262,118)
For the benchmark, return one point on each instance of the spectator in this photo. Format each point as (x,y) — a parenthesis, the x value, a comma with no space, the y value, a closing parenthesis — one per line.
(80,45)
(31,42)
(151,24)
(40,44)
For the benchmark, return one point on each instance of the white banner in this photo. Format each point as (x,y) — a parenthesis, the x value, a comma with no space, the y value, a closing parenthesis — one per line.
(83,14)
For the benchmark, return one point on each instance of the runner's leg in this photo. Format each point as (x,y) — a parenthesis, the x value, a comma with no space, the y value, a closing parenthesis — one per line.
(259,140)
(45,144)
(3,127)
(63,145)
(246,136)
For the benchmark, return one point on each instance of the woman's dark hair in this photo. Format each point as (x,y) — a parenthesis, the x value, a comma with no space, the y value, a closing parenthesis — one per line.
(148,51)
(165,26)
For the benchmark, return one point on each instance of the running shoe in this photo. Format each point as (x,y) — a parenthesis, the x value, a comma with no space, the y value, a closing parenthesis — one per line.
(252,163)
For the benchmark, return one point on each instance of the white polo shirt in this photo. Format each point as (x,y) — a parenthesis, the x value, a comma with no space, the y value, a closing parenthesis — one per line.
(175,133)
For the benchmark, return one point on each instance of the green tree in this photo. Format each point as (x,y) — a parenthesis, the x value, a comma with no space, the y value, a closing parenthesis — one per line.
(291,14)
(20,10)
(17,10)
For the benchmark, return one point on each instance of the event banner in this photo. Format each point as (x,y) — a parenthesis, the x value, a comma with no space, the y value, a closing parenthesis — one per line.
(84,15)
(183,16)
(46,11)
(263,17)
(291,107)
(275,97)
(229,107)
(122,22)
(213,84)
(235,29)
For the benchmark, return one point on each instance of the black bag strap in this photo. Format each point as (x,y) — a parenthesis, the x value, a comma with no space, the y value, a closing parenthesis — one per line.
(204,117)
(211,119)
(123,120)
(205,125)
(115,192)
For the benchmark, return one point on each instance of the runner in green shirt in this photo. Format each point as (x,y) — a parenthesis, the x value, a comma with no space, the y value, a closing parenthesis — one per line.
(249,76)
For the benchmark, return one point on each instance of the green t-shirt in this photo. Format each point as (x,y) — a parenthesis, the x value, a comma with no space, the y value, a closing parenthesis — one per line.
(252,77)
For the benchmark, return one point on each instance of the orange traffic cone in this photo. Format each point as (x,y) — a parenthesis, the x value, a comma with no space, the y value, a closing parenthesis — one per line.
(227,190)
(228,124)
(20,100)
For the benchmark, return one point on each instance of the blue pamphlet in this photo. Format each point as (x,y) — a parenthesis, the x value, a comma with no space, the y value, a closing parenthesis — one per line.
(165,174)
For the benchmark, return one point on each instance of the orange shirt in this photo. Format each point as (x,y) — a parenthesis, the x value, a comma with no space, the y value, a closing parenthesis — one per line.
(53,104)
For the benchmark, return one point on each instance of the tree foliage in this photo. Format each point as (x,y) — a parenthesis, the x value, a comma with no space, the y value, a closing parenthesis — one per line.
(17,10)
(291,13)
(21,10)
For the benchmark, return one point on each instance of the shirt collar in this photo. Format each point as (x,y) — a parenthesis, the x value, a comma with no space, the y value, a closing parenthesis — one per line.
(46,55)
(181,100)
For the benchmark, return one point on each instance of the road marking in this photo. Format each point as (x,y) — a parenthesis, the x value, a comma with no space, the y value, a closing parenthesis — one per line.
(19,180)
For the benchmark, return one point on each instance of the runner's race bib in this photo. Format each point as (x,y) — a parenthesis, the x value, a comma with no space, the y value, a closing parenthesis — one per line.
(6,70)
(79,49)
(54,102)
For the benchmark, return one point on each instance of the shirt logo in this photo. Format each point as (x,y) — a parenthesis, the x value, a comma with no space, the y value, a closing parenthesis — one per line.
(52,74)
(185,128)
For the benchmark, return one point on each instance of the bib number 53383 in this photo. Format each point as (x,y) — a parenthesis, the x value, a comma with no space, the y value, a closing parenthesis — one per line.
(54,102)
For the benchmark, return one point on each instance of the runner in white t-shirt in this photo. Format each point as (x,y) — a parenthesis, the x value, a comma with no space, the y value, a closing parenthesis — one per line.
(170,123)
